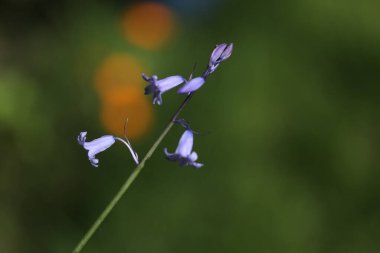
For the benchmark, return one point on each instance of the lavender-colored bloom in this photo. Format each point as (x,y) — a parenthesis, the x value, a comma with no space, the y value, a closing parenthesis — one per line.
(100,144)
(184,154)
(158,87)
(221,52)
(192,85)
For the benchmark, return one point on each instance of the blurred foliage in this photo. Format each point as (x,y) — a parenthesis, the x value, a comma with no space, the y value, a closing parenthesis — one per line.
(292,160)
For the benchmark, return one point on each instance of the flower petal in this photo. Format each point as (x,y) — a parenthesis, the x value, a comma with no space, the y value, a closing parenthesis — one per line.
(197,165)
(193,156)
(185,144)
(183,123)
(94,162)
(215,55)
(82,138)
(96,146)
(145,77)
(227,52)
(192,85)
(151,88)
(151,80)
(169,82)
(220,53)
(157,98)
(170,156)
(100,144)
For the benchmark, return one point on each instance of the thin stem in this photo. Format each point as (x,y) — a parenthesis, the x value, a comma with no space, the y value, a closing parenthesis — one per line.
(180,108)
(133,153)
(129,180)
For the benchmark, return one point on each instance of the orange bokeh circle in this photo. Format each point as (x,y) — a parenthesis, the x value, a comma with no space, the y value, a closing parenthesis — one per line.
(129,103)
(148,25)
(118,70)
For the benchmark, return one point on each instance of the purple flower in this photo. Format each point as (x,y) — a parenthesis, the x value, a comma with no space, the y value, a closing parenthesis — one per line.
(98,145)
(184,154)
(158,87)
(221,52)
(192,85)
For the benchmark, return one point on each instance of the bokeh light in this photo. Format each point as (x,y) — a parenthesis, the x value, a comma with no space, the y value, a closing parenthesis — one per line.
(120,104)
(120,87)
(292,161)
(148,25)
(118,70)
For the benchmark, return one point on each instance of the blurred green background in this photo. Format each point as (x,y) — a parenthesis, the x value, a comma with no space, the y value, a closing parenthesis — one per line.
(291,160)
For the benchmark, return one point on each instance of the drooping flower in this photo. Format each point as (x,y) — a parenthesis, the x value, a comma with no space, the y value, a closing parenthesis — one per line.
(221,52)
(158,87)
(100,144)
(184,154)
(192,85)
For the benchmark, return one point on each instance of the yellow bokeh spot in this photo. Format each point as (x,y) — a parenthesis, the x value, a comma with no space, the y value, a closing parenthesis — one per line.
(118,70)
(148,25)
(123,103)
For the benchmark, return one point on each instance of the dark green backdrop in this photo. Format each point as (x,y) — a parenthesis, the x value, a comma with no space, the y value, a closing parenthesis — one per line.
(291,158)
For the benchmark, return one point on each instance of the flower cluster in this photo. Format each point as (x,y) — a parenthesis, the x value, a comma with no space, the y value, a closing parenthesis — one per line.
(183,154)
(158,87)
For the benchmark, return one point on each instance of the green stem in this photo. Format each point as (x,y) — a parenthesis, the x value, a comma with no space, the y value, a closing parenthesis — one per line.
(129,181)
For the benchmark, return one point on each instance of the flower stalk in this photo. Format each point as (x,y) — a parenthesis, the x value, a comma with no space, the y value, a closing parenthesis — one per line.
(183,154)
(129,180)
